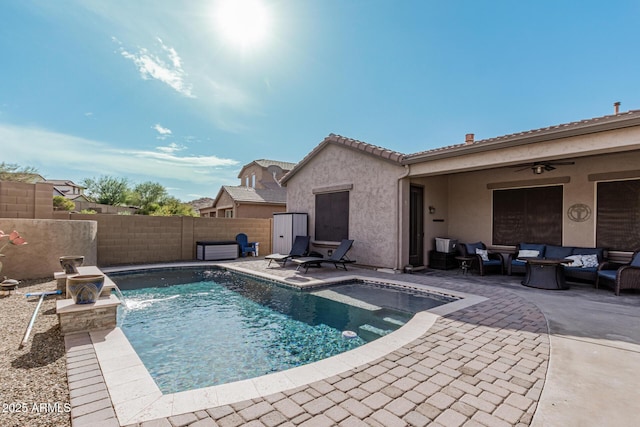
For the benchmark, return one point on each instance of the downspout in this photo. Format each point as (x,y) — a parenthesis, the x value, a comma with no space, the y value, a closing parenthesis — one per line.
(407,169)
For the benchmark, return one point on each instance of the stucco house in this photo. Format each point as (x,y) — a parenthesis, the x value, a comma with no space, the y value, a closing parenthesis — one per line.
(68,189)
(574,184)
(259,194)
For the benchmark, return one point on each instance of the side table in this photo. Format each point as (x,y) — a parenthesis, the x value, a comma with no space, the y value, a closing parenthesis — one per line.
(465,263)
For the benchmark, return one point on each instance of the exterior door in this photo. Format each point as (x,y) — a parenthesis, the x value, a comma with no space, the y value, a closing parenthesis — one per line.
(416,226)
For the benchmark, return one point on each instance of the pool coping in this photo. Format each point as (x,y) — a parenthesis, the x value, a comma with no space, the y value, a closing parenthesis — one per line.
(136,397)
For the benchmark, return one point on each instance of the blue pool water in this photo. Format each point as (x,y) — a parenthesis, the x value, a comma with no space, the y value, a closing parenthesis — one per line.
(198,328)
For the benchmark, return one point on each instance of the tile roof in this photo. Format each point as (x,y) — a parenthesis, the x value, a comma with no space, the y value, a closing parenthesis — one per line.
(580,127)
(252,195)
(264,163)
(63,182)
(287,166)
(374,150)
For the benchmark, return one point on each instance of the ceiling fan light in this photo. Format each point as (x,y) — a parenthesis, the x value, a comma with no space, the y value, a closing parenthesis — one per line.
(538,169)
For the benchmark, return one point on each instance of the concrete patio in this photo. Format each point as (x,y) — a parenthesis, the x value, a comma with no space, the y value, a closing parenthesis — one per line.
(520,357)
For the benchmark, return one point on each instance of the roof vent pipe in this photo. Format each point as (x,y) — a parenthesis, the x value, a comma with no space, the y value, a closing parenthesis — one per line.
(469,138)
(616,107)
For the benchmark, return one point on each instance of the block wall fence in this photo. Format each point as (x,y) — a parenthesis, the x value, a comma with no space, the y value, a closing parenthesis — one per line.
(104,239)
(140,239)
(24,200)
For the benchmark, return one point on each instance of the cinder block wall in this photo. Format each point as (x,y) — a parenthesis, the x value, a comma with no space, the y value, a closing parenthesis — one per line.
(133,239)
(47,240)
(24,200)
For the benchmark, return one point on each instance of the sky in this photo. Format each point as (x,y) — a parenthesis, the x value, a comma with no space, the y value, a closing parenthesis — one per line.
(184,93)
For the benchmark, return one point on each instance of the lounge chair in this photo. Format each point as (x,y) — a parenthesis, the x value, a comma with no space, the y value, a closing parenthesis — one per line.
(245,245)
(300,248)
(338,258)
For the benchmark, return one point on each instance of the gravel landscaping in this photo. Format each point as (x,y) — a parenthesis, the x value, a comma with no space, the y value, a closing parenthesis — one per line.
(33,380)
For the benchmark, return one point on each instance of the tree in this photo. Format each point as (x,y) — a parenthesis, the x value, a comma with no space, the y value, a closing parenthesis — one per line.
(148,196)
(61,203)
(14,172)
(107,190)
(171,206)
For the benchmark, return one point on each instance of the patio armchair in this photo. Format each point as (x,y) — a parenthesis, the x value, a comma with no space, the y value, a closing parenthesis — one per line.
(620,276)
(300,248)
(245,245)
(483,261)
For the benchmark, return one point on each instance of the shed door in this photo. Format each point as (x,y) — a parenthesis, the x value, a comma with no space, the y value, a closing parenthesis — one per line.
(282,229)
(416,226)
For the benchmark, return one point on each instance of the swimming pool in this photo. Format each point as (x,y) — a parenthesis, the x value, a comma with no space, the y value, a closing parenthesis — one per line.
(195,328)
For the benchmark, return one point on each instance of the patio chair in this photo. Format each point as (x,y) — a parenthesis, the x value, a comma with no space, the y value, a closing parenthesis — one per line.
(620,276)
(483,261)
(300,248)
(246,246)
(338,258)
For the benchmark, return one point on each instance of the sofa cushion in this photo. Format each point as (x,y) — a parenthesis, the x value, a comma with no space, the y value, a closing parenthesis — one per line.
(557,252)
(589,261)
(471,247)
(590,251)
(528,253)
(517,262)
(592,269)
(609,274)
(533,247)
(484,254)
(577,261)
(635,262)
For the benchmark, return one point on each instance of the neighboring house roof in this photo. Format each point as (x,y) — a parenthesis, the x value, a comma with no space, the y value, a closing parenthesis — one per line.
(77,197)
(374,150)
(264,163)
(63,182)
(242,194)
(582,127)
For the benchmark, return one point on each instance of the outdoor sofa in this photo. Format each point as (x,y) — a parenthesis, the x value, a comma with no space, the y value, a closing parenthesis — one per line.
(584,266)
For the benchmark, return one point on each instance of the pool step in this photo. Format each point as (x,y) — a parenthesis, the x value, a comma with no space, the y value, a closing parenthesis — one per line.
(372,332)
(393,321)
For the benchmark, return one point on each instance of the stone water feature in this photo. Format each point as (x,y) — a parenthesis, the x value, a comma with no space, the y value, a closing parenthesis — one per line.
(96,316)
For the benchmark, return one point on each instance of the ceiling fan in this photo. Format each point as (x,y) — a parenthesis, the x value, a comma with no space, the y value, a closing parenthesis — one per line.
(540,167)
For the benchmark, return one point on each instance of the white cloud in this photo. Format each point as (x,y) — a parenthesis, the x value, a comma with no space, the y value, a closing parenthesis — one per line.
(166,66)
(171,148)
(162,130)
(63,155)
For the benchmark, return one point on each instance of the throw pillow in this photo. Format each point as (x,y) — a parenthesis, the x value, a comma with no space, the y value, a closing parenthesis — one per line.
(528,253)
(589,261)
(484,254)
(577,261)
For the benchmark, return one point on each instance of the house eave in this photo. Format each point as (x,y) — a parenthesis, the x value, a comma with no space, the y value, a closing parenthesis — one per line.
(618,122)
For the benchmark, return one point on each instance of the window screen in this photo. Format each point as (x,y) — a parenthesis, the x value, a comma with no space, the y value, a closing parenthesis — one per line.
(618,215)
(531,215)
(332,216)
